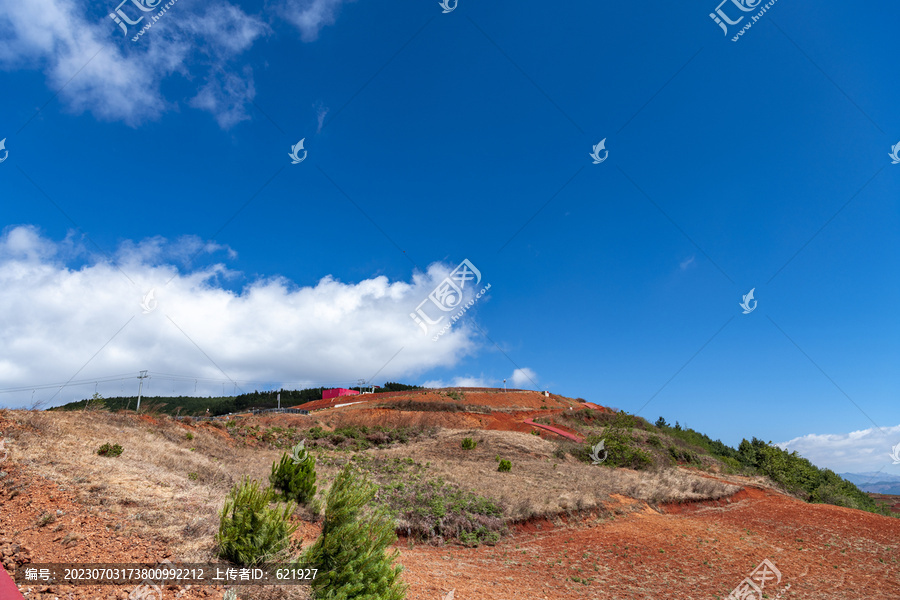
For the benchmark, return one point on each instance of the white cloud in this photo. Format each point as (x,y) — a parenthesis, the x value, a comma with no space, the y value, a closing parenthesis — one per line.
(310,16)
(686,263)
(226,96)
(524,378)
(467,381)
(321,112)
(56,321)
(119,80)
(854,452)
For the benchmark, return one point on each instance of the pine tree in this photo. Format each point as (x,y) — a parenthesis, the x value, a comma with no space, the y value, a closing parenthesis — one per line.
(350,554)
(295,475)
(250,532)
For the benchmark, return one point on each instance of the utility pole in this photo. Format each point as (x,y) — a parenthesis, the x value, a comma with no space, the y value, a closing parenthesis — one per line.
(361,382)
(142,377)
(504,385)
(279,400)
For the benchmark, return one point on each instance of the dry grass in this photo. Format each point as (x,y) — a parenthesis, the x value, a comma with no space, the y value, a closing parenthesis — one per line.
(149,484)
(543,485)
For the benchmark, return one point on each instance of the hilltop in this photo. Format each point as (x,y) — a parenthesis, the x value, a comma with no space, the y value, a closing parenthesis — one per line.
(668,513)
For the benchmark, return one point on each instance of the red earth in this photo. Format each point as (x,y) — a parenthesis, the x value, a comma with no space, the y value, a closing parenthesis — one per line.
(628,550)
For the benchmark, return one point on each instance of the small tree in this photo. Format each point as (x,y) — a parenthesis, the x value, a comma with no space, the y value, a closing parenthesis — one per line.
(250,532)
(350,554)
(295,475)
(95,402)
(660,423)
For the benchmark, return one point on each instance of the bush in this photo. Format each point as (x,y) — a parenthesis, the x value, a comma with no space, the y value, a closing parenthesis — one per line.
(803,478)
(350,554)
(504,466)
(110,450)
(481,536)
(682,455)
(469,444)
(654,441)
(189,436)
(295,475)
(734,465)
(431,509)
(621,448)
(250,532)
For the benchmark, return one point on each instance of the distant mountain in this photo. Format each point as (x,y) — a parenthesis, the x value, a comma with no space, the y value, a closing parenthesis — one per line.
(877,483)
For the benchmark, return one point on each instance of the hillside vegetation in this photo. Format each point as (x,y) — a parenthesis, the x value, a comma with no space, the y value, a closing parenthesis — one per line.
(217,405)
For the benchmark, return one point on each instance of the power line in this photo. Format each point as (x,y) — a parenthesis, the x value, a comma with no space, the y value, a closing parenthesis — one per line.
(176,378)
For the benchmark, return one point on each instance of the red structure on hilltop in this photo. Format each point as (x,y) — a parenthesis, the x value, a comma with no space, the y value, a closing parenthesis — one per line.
(336,392)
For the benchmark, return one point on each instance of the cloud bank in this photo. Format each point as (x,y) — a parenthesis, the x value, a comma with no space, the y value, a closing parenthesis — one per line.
(854,452)
(58,321)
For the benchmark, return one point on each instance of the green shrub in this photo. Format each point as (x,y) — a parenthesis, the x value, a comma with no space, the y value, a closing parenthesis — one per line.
(193,476)
(480,536)
(682,455)
(295,475)
(801,477)
(110,450)
(654,441)
(469,444)
(734,465)
(250,532)
(189,436)
(504,466)
(350,554)
(430,508)
(622,450)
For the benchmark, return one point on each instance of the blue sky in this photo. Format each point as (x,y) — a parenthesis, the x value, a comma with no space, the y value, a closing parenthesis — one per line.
(436,137)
